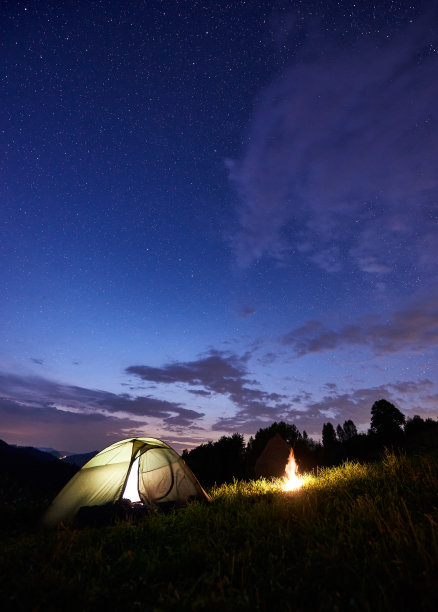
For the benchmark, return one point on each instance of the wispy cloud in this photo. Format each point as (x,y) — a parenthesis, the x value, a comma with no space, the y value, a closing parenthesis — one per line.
(218,372)
(45,403)
(200,392)
(45,425)
(337,406)
(341,160)
(411,329)
(245,310)
(226,374)
(37,361)
(83,419)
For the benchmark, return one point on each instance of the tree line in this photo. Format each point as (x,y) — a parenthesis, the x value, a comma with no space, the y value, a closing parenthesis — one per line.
(230,457)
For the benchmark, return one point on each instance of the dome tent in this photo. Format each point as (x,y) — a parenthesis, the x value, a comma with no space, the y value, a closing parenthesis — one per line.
(162,477)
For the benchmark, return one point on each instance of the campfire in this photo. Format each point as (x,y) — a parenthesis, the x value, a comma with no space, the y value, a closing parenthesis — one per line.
(293,480)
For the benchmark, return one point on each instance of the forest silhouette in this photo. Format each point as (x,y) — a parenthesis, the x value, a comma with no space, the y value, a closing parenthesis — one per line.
(229,458)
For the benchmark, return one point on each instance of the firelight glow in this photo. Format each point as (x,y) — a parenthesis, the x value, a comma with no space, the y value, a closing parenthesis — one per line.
(293,480)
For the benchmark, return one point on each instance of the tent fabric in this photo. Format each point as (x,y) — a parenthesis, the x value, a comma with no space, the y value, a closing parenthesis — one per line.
(162,477)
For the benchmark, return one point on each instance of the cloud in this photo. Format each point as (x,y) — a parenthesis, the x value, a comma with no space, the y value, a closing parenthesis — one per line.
(218,372)
(336,406)
(46,405)
(411,329)
(200,392)
(38,411)
(412,387)
(341,160)
(43,425)
(227,374)
(356,404)
(245,311)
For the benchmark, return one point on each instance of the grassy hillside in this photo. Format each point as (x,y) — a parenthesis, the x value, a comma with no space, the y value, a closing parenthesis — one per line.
(357,537)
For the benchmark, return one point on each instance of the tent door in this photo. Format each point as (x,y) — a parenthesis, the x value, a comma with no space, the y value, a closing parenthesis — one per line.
(131,485)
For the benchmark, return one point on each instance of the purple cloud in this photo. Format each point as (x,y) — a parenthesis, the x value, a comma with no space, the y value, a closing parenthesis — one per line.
(341,160)
(219,372)
(412,329)
(38,395)
(336,406)
(44,425)
(37,361)
(200,392)
(245,310)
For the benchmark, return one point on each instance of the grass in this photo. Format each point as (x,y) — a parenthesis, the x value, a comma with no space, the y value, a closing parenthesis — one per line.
(355,537)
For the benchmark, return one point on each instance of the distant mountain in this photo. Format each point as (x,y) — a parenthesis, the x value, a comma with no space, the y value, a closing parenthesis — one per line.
(79,459)
(41,453)
(23,453)
(56,453)
(27,473)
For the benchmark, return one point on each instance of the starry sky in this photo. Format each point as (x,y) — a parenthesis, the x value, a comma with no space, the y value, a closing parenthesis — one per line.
(215,215)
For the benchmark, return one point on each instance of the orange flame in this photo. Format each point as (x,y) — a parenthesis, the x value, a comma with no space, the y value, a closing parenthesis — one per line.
(293,481)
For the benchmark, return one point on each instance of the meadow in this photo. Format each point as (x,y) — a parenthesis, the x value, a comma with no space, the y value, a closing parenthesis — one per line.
(354,537)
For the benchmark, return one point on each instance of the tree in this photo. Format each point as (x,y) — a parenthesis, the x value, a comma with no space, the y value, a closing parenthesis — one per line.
(219,461)
(340,433)
(350,430)
(421,433)
(414,426)
(328,436)
(387,421)
(228,457)
(330,444)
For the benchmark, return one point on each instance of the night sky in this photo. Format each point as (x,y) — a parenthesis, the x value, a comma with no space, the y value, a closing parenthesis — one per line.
(215,215)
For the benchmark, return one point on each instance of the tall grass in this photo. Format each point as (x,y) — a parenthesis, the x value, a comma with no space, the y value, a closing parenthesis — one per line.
(359,537)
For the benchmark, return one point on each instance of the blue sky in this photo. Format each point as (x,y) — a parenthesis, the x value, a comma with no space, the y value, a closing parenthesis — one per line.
(215,216)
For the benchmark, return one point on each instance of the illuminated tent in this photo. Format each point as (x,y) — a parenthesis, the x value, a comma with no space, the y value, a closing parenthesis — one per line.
(140,469)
